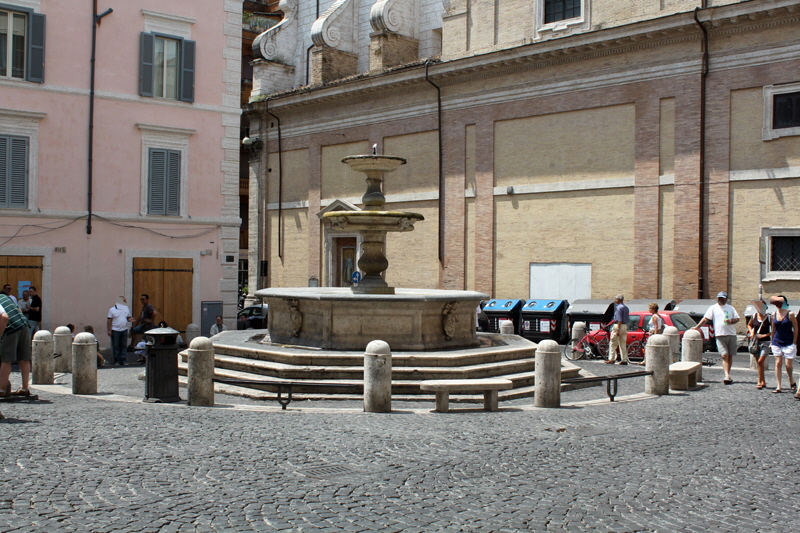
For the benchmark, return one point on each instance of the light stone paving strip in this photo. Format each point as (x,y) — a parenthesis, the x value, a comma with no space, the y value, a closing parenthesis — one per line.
(714,459)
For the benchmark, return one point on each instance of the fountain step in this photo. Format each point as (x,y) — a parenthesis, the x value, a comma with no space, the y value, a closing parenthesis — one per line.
(417,373)
(401,389)
(312,357)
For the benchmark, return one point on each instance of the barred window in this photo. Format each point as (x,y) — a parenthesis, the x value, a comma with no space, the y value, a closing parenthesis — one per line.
(786,110)
(555,10)
(785,254)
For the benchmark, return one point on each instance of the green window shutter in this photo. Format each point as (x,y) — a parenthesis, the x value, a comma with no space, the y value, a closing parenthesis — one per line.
(157,177)
(187,71)
(36,35)
(146,64)
(18,172)
(173,185)
(14,172)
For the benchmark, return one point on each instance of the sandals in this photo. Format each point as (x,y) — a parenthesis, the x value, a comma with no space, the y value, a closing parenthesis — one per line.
(777,391)
(760,386)
(21,392)
(727,381)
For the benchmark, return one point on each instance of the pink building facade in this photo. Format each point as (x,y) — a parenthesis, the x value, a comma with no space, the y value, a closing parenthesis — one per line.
(157,210)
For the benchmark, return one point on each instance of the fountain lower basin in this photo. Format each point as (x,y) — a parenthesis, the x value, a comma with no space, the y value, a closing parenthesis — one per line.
(335,318)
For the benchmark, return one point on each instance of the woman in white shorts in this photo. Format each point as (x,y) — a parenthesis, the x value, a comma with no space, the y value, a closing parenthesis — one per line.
(784,339)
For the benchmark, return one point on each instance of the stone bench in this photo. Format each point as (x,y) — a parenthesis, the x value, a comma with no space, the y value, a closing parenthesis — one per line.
(443,388)
(683,375)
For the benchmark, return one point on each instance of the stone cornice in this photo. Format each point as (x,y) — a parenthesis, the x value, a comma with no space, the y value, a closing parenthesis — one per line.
(673,29)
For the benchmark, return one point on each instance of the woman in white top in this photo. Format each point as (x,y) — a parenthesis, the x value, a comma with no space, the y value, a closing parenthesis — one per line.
(655,324)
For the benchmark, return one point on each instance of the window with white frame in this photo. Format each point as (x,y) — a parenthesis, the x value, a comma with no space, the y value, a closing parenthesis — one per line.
(780,253)
(21,44)
(558,18)
(781,111)
(165,155)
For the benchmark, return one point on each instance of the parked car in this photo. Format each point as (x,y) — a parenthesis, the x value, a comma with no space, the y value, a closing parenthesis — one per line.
(639,326)
(255,317)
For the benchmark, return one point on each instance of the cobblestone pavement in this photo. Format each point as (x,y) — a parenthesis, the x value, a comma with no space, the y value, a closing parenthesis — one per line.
(721,458)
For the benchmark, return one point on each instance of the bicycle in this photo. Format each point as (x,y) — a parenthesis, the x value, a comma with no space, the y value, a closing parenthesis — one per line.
(593,345)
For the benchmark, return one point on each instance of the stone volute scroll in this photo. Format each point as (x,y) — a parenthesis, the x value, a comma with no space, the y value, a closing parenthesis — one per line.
(278,42)
(336,27)
(275,51)
(396,16)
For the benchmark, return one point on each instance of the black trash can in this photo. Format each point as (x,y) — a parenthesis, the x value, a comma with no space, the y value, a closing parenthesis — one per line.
(595,313)
(161,370)
(544,319)
(499,310)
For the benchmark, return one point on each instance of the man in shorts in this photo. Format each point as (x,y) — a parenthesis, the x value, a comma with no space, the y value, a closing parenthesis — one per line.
(723,316)
(15,345)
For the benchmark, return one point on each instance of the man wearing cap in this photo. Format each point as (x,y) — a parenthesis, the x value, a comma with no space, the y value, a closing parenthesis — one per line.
(723,316)
(619,333)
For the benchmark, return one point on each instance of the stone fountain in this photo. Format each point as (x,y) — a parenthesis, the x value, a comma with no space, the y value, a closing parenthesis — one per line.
(335,318)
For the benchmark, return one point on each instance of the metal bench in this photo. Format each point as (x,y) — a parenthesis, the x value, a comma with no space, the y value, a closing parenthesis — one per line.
(611,380)
(443,388)
(283,386)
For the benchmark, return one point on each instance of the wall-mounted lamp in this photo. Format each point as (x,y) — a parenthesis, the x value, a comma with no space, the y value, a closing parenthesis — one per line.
(253,146)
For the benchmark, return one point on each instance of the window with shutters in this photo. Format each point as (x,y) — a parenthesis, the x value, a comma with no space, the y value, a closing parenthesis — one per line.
(164,182)
(21,45)
(13,172)
(167,67)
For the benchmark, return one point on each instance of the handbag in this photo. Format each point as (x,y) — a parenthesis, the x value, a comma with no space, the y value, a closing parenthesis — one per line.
(755,344)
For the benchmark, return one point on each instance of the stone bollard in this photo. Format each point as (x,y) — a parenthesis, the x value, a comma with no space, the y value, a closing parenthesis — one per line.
(200,373)
(548,375)
(671,333)
(657,359)
(62,347)
(42,372)
(506,327)
(192,332)
(84,364)
(377,378)
(578,330)
(693,350)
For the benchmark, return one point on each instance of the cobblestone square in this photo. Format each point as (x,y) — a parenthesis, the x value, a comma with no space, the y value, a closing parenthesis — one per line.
(719,458)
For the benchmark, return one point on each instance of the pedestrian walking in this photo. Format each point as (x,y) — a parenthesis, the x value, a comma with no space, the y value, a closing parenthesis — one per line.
(15,345)
(759,331)
(34,310)
(119,317)
(784,339)
(723,316)
(619,332)
(655,325)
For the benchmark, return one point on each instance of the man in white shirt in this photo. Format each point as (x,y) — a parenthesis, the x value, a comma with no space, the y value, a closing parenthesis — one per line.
(118,318)
(723,316)
(219,327)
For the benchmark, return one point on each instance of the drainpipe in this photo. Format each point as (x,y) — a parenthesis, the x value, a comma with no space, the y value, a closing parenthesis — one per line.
(95,23)
(441,164)
(280,180)
(702,233)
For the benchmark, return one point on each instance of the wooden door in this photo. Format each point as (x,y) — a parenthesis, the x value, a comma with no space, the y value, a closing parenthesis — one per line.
(16,268)
(168,282)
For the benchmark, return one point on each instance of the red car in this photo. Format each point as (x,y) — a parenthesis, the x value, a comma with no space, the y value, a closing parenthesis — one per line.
(638,328)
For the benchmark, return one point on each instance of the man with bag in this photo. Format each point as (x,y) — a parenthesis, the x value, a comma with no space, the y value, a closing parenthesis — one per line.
(723,316)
